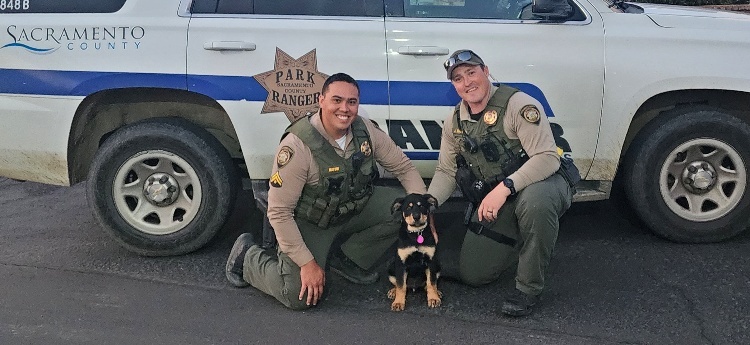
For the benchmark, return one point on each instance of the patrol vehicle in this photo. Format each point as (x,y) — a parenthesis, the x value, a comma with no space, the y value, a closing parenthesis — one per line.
(157,103)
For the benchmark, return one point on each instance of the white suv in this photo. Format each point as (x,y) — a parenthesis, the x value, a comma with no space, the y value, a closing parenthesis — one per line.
(156,103)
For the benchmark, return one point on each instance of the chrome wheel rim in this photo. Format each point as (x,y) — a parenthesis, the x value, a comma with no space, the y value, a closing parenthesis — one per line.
(702,179)
(157,192)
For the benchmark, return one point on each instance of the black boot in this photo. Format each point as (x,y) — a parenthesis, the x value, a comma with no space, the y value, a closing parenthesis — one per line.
(519,304)
(346,268)
(236,260)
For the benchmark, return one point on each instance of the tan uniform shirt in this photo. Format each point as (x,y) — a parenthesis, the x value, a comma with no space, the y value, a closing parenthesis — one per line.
(536,139)
(302,169)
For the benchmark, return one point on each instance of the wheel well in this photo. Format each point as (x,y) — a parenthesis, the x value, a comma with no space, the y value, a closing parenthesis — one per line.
(102,113)
(734,102)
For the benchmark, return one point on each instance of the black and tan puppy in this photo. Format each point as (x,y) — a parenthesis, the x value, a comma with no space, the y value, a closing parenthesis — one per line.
(415,266)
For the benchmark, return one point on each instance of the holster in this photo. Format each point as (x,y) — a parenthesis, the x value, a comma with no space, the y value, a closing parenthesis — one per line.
(569,171)
(471,187)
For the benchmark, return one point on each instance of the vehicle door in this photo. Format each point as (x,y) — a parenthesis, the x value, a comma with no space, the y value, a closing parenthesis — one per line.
(265,62)
(559,63)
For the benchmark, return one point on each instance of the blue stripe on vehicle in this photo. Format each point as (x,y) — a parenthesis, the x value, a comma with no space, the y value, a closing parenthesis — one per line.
(422,155)
(443,94)
(227,88)
(77,83)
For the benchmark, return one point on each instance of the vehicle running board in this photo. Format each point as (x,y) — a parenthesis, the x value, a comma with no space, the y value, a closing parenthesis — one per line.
(592,190)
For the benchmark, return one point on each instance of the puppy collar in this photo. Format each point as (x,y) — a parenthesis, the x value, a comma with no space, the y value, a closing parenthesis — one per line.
(413,229)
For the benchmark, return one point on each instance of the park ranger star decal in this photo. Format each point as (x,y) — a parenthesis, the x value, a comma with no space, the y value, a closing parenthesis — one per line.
(293,85)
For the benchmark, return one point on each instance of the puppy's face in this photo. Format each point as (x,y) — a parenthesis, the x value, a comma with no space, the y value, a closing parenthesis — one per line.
(415,209)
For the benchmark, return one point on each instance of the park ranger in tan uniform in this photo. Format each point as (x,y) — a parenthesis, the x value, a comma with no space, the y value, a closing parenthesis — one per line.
(498,147)
(322,187)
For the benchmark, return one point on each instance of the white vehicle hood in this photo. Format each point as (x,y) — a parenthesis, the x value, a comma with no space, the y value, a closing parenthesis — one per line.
(679,16)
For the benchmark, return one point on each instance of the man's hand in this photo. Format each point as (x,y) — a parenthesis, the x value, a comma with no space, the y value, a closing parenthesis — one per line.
(313,280)
(492,203)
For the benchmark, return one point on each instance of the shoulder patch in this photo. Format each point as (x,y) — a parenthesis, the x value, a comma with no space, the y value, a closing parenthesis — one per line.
(284,156)
(275,180)
(530,113)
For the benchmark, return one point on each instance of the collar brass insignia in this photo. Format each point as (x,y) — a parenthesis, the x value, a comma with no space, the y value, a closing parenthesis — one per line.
(293,85)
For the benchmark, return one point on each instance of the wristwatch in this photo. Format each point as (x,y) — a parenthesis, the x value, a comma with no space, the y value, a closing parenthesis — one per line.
(509,183)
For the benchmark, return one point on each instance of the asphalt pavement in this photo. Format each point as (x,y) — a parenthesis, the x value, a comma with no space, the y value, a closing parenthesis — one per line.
(610,282)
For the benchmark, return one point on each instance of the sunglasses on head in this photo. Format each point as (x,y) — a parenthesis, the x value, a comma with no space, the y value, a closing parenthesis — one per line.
(464,56)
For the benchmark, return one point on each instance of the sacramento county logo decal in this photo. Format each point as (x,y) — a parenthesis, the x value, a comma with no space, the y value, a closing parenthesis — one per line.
(293,85)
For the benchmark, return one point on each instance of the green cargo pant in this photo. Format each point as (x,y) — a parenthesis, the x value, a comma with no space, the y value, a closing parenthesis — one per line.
(372,232)
(532,219)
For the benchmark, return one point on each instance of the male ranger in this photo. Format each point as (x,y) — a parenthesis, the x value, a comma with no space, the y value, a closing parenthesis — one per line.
(497,146)
(323,176)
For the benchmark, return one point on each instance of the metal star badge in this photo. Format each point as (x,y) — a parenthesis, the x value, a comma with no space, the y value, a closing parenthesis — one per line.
(365,148)
(490,118)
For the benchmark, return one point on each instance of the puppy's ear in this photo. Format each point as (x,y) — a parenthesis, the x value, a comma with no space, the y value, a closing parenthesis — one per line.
(433,202)
(396,205)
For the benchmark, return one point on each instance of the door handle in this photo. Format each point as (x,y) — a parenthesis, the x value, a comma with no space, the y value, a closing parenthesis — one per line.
(423,50)
(229,46)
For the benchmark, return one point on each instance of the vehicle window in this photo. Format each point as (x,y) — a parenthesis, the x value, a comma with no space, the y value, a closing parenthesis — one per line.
(361,8)
(59,6)
(204,6)
(470,9)
(394,8)
(235,6)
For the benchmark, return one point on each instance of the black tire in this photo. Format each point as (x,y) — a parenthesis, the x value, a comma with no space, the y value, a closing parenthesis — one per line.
(687,175)
(191,184)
